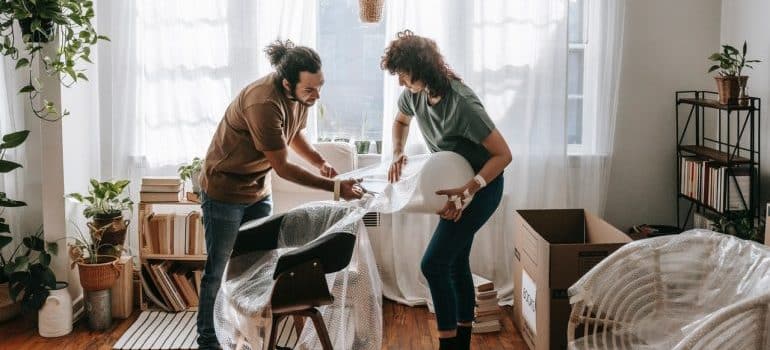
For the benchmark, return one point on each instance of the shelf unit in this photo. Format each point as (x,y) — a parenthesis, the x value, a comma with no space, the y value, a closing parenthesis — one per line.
(145,255)
(724,137)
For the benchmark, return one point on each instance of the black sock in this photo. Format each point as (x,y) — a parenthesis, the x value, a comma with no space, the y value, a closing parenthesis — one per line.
(447,343)
(464,337)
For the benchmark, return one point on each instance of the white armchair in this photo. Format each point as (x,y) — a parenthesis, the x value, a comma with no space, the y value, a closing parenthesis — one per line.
(288,195)
(696,290)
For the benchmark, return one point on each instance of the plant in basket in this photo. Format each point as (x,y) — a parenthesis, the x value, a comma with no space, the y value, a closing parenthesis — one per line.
(96,260)
(105,204)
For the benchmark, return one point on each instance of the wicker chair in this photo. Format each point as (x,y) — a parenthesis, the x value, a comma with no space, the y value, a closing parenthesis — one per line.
(674,292)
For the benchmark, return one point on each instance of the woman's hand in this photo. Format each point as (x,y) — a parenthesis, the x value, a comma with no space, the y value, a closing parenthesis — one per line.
(394,172)
(453,208)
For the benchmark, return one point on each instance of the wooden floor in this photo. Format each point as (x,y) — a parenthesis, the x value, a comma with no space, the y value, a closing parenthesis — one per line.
(405,328)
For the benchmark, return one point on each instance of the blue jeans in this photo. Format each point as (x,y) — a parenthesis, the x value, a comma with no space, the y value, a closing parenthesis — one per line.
(446,263)
(221,222)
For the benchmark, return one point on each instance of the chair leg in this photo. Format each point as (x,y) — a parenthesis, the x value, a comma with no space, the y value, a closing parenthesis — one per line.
(273,337)
(320,328)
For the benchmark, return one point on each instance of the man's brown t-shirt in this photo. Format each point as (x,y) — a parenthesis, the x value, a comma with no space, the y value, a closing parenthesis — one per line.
(261,118)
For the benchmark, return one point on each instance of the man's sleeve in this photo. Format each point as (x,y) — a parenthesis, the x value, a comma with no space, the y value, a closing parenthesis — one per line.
(265,124)
(405,103)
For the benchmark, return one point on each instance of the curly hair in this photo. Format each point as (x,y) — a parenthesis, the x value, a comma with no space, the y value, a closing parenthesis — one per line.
(420,58)
(289,60)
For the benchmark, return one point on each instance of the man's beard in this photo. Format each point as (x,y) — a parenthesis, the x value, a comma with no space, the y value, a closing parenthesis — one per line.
(293,97)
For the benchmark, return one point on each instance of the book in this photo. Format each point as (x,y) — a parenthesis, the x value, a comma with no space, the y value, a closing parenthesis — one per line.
(482,284)
(150,197)
(486,327)
(161,188)
(161,180)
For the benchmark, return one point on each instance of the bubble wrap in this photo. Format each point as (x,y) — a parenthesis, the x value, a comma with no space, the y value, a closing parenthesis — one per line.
(242,316)
(696,290)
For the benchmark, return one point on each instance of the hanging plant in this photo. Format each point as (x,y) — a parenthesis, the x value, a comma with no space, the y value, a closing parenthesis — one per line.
(40,22)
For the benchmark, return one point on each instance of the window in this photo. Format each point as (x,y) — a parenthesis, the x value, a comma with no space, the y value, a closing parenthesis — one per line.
(576,125)
(351,100)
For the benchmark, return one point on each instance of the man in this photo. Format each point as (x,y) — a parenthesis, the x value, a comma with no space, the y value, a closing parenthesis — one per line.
(267,116)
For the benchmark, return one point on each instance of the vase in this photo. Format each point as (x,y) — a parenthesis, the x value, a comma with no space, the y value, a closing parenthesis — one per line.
(55,317)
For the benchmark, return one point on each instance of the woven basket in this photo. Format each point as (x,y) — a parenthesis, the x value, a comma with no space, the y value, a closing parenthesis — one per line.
(370,11)
(99,276)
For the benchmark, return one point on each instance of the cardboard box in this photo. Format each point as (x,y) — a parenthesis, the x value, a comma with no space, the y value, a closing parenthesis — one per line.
(553,249)
(123,290)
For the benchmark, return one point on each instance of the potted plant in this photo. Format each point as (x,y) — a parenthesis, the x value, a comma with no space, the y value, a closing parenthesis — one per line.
(43,21)
(105,204)
(730,63)
(739,224)
(192,172)
(96,260)
(28,273)
(9,308)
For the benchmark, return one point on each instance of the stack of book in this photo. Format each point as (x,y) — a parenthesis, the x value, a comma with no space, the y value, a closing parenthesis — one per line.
(174,233)
(174,286)
(487,311)
(159,189)
(709,182)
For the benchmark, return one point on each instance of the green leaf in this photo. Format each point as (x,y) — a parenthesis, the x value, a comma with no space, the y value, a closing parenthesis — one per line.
(76,196)
(744,48)
(715,56)
(82,76)
(22,62)
(713,68)
(21,263)
(28,88)
(45,259)
(52,248)
(102,37)
(35,243)
(730,50)
(7,166)
(10,203)
(14,139)
(5,240)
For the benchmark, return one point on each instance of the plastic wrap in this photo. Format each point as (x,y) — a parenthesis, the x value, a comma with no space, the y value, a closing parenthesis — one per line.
(674,292)
(354,320)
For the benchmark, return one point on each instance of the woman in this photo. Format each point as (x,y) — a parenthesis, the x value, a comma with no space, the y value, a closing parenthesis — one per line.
(451,118)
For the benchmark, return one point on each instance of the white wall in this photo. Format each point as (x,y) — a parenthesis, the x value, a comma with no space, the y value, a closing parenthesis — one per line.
(747,20)
(665,48)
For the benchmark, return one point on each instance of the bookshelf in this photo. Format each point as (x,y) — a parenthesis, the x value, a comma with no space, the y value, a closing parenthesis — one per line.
(170,274)
(718,158)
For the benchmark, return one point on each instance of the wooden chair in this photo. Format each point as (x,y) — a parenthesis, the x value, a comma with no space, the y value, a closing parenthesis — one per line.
(300,284)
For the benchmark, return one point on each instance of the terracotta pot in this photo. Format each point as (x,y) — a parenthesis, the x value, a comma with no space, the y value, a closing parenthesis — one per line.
(729,88)
(8,308)
(99,276)
(114,229)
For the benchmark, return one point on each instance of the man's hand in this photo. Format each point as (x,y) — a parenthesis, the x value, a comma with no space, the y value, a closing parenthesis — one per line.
(327,170)
(349,189)
(453,208)
(394,172)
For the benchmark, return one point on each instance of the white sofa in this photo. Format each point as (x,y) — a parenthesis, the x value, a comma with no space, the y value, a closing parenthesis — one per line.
(287,195)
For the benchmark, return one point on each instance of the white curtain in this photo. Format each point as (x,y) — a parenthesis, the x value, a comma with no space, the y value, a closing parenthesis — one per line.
(513,54)
(172,68)
(13,183)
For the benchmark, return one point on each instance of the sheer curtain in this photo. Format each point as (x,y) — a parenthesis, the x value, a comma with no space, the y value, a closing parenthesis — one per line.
(13,183)
(174,66)
(513,54)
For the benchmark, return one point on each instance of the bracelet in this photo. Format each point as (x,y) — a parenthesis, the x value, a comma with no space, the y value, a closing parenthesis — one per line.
(467,193)
(336,189)
(480,180)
